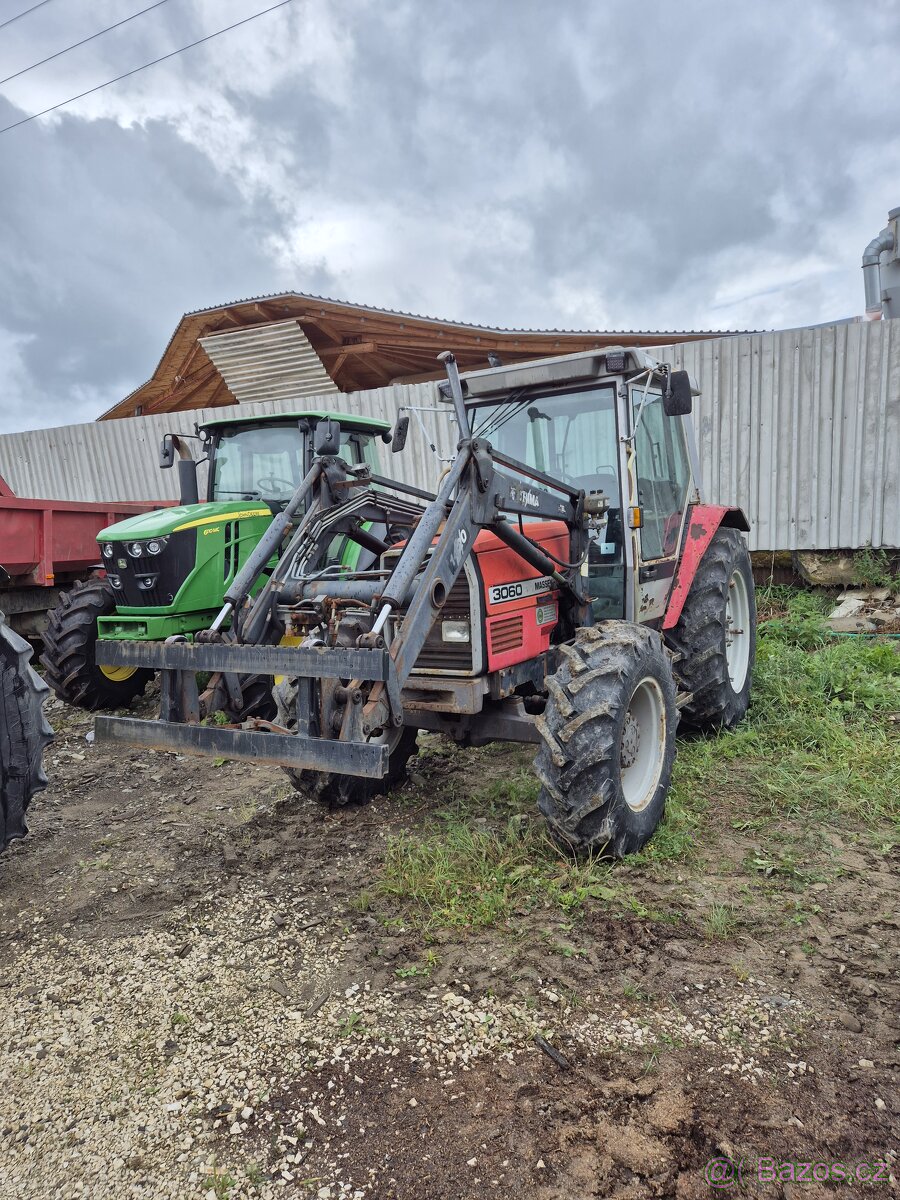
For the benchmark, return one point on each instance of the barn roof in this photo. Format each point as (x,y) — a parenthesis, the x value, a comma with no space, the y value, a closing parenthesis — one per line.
(307,344)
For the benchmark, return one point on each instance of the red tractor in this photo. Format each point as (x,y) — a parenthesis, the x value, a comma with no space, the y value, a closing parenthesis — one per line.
(566,586)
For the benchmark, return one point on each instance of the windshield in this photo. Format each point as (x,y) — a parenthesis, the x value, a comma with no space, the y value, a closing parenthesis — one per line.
(267,462)
(569,435)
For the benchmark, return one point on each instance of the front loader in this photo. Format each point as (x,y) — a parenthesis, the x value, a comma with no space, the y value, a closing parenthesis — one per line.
(565,587)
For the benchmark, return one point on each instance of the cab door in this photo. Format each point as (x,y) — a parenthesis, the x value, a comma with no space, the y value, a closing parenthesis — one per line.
(663,477)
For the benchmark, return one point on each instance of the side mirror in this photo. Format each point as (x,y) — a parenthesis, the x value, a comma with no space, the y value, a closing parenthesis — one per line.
(167,452)
(677,398)
(327,438)
(401,431)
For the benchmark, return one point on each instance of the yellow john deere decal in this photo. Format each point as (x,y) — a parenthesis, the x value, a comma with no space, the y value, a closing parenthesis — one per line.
(237,516)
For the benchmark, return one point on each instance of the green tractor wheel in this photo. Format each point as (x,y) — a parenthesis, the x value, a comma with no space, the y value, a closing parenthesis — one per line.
(69,659)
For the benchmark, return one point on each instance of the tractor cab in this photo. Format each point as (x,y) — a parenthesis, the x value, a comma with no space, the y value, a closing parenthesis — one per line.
(266,458)
(607,422)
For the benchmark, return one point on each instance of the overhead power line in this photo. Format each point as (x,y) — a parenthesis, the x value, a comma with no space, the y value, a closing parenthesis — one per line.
(19,16)
(84,41)
(144,66)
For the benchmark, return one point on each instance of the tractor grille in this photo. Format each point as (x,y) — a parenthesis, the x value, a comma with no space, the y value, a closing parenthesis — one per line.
(507,634)
(152,580)
(453,658)
(438,655)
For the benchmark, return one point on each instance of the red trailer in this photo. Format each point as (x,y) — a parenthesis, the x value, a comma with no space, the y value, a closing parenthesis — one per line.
(45,546)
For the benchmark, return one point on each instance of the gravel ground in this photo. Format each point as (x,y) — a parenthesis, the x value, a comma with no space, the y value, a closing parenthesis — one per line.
(194,1005)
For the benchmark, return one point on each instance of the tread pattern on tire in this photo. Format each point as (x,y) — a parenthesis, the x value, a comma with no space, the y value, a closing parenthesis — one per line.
(578,763)
(329,788)
(24,733)
(68,655)
(701,665)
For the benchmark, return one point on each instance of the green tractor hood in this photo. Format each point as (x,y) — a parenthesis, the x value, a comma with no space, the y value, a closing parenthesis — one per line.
(163,521)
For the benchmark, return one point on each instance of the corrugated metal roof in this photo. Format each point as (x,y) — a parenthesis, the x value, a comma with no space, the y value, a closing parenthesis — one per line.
(393,312)
(268,362)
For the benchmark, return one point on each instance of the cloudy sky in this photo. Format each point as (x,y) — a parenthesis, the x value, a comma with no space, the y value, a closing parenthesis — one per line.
(594,164)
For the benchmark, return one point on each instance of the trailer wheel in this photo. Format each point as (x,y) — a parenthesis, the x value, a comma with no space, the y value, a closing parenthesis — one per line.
(69,651)
(334,790)
(608,740)
(24,733)
(716,636)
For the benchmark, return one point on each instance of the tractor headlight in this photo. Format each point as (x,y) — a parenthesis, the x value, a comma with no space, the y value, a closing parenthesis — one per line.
(155,545)
(108,550)
(455,631)
(135,549)
(114,580)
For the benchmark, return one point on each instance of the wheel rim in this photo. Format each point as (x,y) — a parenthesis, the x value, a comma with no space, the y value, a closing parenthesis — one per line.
(738,633)
(643,746)
(118,674)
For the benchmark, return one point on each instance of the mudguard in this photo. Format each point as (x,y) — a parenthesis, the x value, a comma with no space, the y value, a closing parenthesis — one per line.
(703,521)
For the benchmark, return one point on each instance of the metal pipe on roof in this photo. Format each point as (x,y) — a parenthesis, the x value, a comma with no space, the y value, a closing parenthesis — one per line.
(871,265)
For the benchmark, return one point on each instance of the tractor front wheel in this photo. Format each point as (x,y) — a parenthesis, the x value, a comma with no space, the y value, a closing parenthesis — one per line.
(715,637)
(334,790)
(69,651)
(24,733)
(608,740)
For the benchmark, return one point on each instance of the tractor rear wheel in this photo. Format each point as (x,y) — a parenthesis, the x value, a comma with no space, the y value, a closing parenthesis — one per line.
(715,638)
(608,740)
(332,789)
(69,651)
(24,733)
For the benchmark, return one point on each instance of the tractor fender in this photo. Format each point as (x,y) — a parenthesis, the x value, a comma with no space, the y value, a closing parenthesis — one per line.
(703,521)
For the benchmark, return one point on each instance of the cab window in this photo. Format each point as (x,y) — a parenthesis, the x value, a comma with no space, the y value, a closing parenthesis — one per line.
(663,475)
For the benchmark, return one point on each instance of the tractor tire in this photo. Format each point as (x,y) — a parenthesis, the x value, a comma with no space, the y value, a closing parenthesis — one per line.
(608,740)
(24,733)
(69,652)
(331,789)
(258,700)
(715,638)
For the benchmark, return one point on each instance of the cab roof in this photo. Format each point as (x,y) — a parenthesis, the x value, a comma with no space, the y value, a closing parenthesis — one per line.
(346,420)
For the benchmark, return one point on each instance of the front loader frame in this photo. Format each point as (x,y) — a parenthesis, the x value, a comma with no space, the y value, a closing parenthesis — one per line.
(475,494)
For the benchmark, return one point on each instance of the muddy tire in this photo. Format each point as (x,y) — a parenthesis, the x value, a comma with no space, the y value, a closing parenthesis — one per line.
(24,733)
(258,700)
(608,740)
(335,791)
(69,652)
(716,636)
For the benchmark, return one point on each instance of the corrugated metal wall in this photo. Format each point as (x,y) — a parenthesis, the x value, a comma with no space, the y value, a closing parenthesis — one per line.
(801,428)
(115,460)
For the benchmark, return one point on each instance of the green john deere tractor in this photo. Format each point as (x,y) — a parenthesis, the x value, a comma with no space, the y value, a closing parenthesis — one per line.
(166,571)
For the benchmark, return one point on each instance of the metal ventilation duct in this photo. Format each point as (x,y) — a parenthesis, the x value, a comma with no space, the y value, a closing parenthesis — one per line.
(268,362)
(881,271)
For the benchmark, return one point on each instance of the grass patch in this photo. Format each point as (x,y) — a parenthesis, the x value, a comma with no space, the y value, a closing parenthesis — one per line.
(468,875)
(821,735)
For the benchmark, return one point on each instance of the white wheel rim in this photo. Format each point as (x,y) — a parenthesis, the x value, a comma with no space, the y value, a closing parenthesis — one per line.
(643,746)
(738,633)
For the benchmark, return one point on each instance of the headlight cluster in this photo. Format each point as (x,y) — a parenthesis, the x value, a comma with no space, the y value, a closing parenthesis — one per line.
(137,549)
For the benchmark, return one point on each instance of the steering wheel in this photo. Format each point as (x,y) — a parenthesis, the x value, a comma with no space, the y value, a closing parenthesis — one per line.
(274,484)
